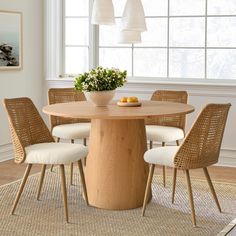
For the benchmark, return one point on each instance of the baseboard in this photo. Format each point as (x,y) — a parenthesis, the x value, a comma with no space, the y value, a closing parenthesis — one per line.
(227,158)
(6,152)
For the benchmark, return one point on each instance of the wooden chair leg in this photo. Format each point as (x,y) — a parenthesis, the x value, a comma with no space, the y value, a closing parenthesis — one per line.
(212,188)
(150,144)
(71,173)
(81,172)
(26,174)
(174,184)
(71,168)
(63,191)
(174,179)
(57,140)
(190,197)
(148,187)
(85,144)
(41,180)
(164,169)
(164,175)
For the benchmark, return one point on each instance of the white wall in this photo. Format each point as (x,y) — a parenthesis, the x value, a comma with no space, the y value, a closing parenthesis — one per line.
(28,81)
(199,96)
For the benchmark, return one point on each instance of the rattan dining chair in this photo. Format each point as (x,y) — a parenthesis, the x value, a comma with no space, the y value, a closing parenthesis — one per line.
(200,149)
(168,128)
(34,144)
(68,128)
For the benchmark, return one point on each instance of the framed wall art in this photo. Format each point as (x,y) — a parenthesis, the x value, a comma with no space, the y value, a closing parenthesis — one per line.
(10,40)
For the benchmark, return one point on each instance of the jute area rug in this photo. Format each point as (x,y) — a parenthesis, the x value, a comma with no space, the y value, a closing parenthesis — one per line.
(46,217)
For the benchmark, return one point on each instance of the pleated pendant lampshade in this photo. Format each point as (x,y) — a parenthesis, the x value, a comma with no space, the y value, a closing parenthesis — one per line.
(133,17)
(126,36)
(103,12)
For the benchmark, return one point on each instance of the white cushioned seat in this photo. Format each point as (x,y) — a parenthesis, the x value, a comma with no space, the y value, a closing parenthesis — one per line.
(72,131)
(55,153)
(161,155)
(163,133)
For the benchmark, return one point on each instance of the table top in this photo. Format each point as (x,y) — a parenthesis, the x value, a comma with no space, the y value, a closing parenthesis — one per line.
(113,111)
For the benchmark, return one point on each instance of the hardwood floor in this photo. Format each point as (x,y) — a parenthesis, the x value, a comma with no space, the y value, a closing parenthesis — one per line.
(217,173)
(9,172)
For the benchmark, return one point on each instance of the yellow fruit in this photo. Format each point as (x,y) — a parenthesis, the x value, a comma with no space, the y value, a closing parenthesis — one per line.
(132,99)
(123,99)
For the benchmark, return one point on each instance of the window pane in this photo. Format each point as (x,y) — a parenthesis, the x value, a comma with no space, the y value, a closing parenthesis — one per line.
(221,63)
(76,60)
(187,32)
(119,6)
(221,32)
(187,7)
(108,35)
(155,7)
(116,57)
(77,7)
(150,62)
(186,63)
(77,31)
(156,35)
(219,7)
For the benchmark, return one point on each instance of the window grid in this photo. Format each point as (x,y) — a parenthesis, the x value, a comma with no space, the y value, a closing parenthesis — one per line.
(132,63)
(65,45)
(94,46)
(206,19)
(168,40)
(168,47)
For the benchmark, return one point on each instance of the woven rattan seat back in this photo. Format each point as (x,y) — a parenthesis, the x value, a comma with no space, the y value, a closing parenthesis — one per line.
(201,147)
(169,96)
(26,125)
(63,95)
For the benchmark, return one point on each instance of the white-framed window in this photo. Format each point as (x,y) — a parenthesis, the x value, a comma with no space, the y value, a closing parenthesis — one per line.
(186,40)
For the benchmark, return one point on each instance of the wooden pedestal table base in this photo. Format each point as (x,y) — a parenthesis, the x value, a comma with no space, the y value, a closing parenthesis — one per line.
(116,173)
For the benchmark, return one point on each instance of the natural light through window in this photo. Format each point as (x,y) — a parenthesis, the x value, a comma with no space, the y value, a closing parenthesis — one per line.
(76,37)
(186,39)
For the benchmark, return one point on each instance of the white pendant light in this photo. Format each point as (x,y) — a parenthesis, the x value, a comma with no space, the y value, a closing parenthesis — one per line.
(126,36)
(103,12)
(133,16)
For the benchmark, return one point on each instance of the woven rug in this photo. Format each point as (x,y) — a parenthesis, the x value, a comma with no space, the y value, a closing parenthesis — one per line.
(46,217)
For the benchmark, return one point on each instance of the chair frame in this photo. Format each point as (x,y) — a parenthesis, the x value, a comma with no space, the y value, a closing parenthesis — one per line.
(28,128)
(172,121)
(187,158)
(63,95)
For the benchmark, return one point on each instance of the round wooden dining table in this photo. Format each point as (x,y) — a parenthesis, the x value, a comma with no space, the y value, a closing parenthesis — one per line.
(115,171)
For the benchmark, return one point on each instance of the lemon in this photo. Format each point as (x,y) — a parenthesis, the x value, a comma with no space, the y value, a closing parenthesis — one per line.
(132,99)
(123,99)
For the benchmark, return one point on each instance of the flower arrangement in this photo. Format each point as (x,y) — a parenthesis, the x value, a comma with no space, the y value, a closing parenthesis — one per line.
(100,79)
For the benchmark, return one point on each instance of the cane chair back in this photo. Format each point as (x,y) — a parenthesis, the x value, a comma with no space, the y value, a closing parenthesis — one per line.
(169,96)
(201,147)
(63,95)
(26,125)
